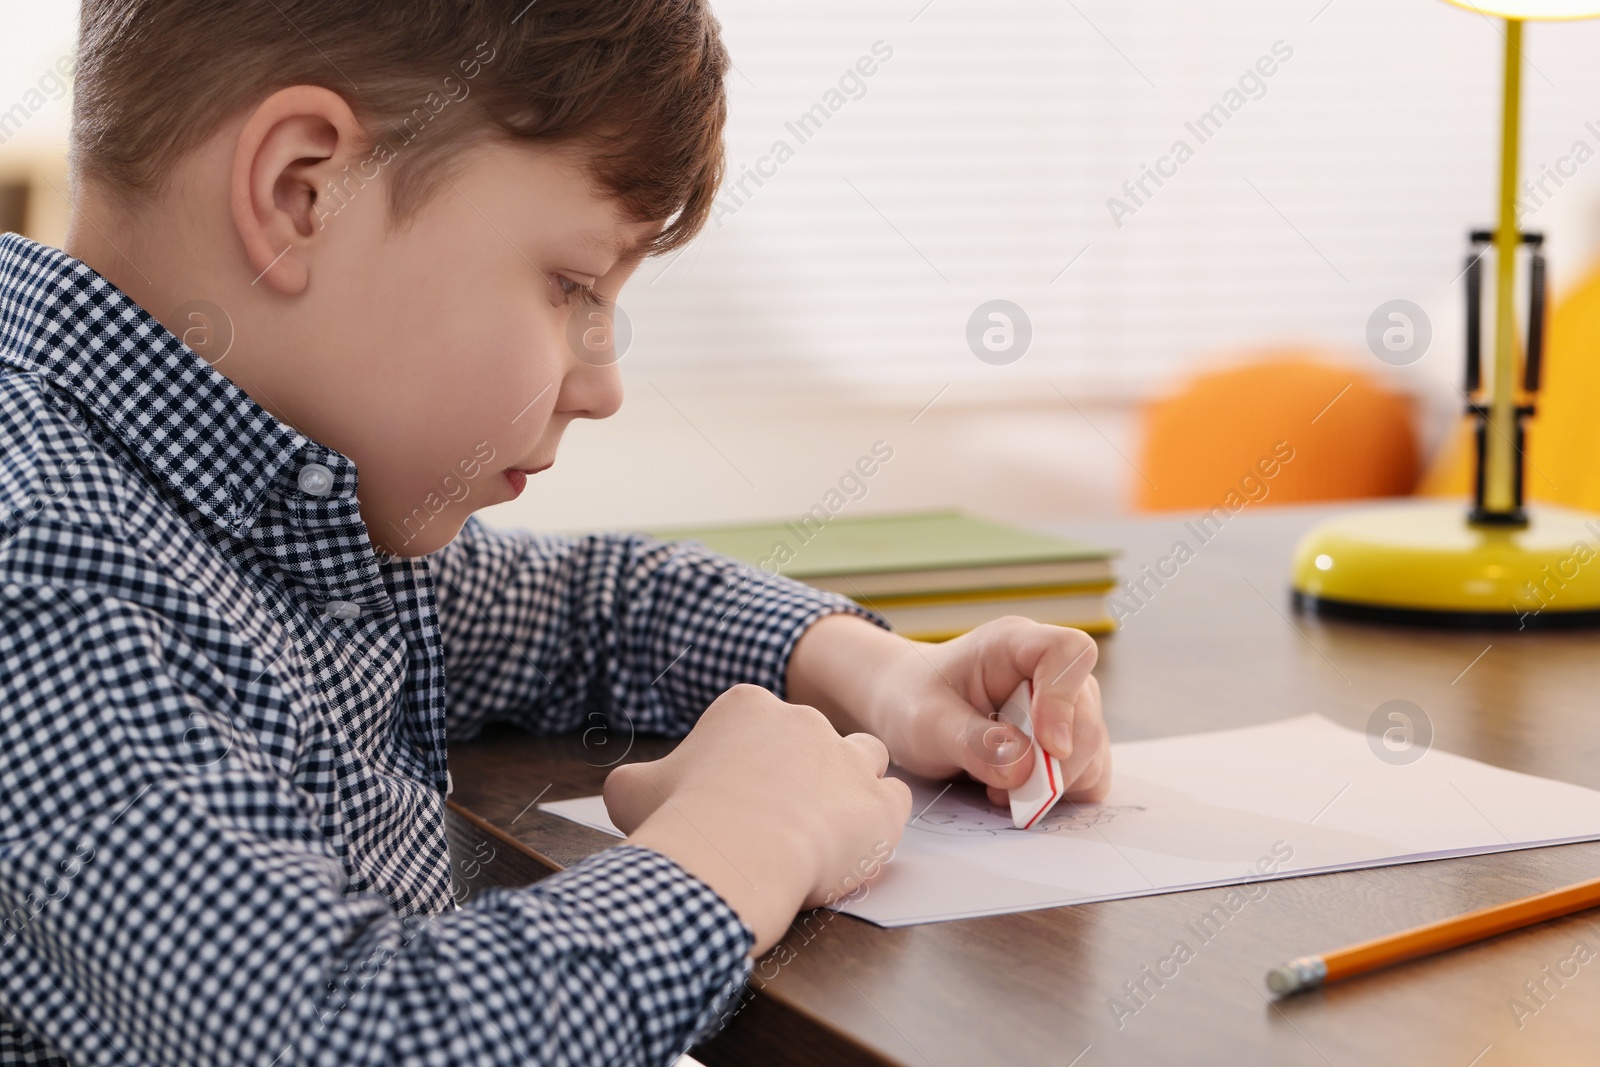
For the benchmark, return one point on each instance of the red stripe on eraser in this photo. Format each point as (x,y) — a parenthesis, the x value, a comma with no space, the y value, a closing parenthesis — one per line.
(1032,800)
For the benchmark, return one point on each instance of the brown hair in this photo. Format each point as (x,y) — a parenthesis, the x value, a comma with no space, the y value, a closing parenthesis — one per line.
(637,83)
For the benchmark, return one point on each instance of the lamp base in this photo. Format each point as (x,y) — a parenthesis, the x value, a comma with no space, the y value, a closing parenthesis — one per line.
(1427,565)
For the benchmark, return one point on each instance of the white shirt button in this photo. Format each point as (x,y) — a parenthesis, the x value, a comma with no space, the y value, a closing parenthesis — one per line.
(316,479)
(341,609)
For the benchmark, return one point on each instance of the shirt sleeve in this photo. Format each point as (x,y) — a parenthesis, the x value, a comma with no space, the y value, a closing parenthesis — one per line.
(613,633)
(171,894)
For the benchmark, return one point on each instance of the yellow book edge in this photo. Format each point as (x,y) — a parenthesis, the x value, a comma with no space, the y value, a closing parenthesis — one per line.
(963,596)
(1099,626)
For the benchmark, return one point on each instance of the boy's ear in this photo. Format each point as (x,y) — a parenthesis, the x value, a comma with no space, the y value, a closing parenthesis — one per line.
(294,143)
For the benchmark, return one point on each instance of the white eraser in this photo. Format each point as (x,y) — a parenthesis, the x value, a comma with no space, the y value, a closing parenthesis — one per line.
(1032,800)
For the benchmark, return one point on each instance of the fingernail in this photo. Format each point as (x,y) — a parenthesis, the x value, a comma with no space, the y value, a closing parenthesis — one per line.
(1061,737)
(1007,753)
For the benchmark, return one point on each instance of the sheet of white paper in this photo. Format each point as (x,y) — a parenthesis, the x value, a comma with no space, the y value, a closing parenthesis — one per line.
(1299,796)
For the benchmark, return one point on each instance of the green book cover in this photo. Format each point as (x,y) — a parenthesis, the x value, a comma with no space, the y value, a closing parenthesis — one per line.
(807,547)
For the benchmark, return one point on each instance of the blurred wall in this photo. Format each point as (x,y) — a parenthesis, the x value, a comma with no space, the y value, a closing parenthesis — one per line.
(895,167)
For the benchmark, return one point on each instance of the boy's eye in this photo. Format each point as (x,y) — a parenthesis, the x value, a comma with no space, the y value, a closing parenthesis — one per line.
(565,288)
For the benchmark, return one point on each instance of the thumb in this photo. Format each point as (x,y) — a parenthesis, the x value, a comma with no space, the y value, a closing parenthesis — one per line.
(994,752)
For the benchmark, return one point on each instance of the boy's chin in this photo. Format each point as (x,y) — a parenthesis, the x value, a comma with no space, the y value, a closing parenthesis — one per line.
(411,540)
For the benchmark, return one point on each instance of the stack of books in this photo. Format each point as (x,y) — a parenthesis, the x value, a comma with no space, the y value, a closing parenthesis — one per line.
(933,575)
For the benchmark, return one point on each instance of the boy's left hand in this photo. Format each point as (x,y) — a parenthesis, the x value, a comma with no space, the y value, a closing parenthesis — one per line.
(931,704)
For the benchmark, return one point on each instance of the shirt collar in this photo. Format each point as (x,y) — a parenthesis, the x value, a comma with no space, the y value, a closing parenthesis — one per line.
(197,432)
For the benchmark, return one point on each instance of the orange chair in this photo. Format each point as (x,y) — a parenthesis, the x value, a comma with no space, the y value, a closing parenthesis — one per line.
(1563,444)
(1347,436)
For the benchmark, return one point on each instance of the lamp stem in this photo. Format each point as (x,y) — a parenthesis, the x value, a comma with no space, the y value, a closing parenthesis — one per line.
(1501,458)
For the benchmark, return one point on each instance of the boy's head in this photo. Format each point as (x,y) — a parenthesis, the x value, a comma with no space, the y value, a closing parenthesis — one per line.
(397,226)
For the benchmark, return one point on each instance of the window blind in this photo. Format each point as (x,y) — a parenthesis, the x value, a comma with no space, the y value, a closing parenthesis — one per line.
(894,165)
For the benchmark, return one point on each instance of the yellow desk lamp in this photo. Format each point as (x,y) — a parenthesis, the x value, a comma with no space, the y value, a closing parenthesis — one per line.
(1503,563)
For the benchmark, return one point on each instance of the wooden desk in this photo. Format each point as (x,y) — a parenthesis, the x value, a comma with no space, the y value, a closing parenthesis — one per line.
(1216,646)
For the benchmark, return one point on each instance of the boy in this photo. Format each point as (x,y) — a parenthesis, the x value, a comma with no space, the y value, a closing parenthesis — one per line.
(312,240)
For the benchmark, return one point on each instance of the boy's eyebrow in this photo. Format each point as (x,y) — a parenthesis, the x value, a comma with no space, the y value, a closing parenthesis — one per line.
(622,250)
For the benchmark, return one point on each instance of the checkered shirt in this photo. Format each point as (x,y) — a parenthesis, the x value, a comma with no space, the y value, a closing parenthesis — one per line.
(223,719)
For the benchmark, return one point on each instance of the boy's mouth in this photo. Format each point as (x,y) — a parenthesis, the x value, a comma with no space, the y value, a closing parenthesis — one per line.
(517,478)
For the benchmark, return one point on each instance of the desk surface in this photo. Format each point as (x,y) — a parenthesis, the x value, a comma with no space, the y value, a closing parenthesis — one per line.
(1216,646)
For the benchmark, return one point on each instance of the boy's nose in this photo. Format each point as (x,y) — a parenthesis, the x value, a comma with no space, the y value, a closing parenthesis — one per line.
(596,341)
(591,392)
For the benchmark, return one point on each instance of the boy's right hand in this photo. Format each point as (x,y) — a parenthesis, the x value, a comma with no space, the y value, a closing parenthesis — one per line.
(767,804)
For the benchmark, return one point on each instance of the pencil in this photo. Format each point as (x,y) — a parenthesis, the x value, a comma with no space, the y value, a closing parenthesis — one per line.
(1311,972)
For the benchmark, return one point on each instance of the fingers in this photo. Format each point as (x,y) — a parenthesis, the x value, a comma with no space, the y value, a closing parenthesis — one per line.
(1064,690)
(1088,737)
(1095,783)
(876,752)
(1066,660)
(1057,660)
(898,796)
(1014,649)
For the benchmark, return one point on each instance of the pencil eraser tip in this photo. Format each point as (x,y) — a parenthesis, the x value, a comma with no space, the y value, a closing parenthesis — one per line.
(1281,980)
